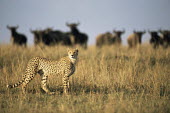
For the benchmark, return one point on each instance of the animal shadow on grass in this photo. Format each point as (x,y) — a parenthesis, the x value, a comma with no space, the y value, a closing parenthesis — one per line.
(78,89)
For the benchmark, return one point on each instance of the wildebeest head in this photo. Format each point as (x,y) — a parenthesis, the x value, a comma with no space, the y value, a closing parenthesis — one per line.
(139,34)
(165,33)
(47,30)
(165,37)
(12,28)
(119,32)
(17,38)
(155,39)
(42,36)
(73,27)
(153,33)
(37,36)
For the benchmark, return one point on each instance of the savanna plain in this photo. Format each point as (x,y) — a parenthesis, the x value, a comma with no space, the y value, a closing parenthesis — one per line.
(107,80)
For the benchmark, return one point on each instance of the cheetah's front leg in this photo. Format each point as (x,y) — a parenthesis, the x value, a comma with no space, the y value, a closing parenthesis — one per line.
(66,84)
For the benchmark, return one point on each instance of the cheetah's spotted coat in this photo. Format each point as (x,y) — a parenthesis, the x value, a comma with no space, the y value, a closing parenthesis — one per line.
(46,67)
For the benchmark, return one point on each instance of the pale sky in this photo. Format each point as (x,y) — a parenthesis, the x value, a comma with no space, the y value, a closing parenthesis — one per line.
(95,16)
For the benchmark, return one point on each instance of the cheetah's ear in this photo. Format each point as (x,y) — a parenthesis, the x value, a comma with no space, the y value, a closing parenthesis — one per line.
(68,49)
(77,50)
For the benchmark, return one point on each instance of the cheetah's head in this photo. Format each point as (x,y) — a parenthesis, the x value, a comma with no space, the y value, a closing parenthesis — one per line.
(72,53)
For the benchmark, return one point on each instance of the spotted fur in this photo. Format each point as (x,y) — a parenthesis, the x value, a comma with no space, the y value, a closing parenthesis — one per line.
(46,67)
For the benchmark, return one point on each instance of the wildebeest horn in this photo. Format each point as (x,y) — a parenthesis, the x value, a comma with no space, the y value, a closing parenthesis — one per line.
(144,31)
(31,30)
(149,31)
(67,24)
(78,23)
(17,27)
(114,30)
(160,30)
(123,30)
(8,26)
(134,31)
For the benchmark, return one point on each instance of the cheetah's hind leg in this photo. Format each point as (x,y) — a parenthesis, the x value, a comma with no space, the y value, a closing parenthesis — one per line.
(44,85)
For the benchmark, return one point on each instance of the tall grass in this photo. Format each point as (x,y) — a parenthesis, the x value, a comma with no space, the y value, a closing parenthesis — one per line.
(109,80)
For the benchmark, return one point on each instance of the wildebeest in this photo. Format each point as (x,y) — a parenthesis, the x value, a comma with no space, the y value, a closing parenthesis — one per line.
(155,39)
(117,36)
(165,37)
(51,37)
(109,38)
(105,39)
(135,38)
(17,38)
(37,36)
(57,37)
(77,37)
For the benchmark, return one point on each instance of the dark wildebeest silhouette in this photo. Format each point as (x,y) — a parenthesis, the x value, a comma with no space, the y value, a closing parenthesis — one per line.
(155,39)
(117,36)
(50,37)
(37,36)
(165,37)
(135,38)
(76,36)
(56,37)
(17,38)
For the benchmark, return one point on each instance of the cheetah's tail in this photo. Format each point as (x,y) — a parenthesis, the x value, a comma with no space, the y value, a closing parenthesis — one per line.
(16,84)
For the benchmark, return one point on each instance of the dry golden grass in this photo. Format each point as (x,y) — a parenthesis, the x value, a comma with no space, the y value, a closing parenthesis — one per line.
(107,80)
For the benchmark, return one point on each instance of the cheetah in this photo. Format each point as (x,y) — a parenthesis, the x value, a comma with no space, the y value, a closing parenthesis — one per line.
(46,67)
